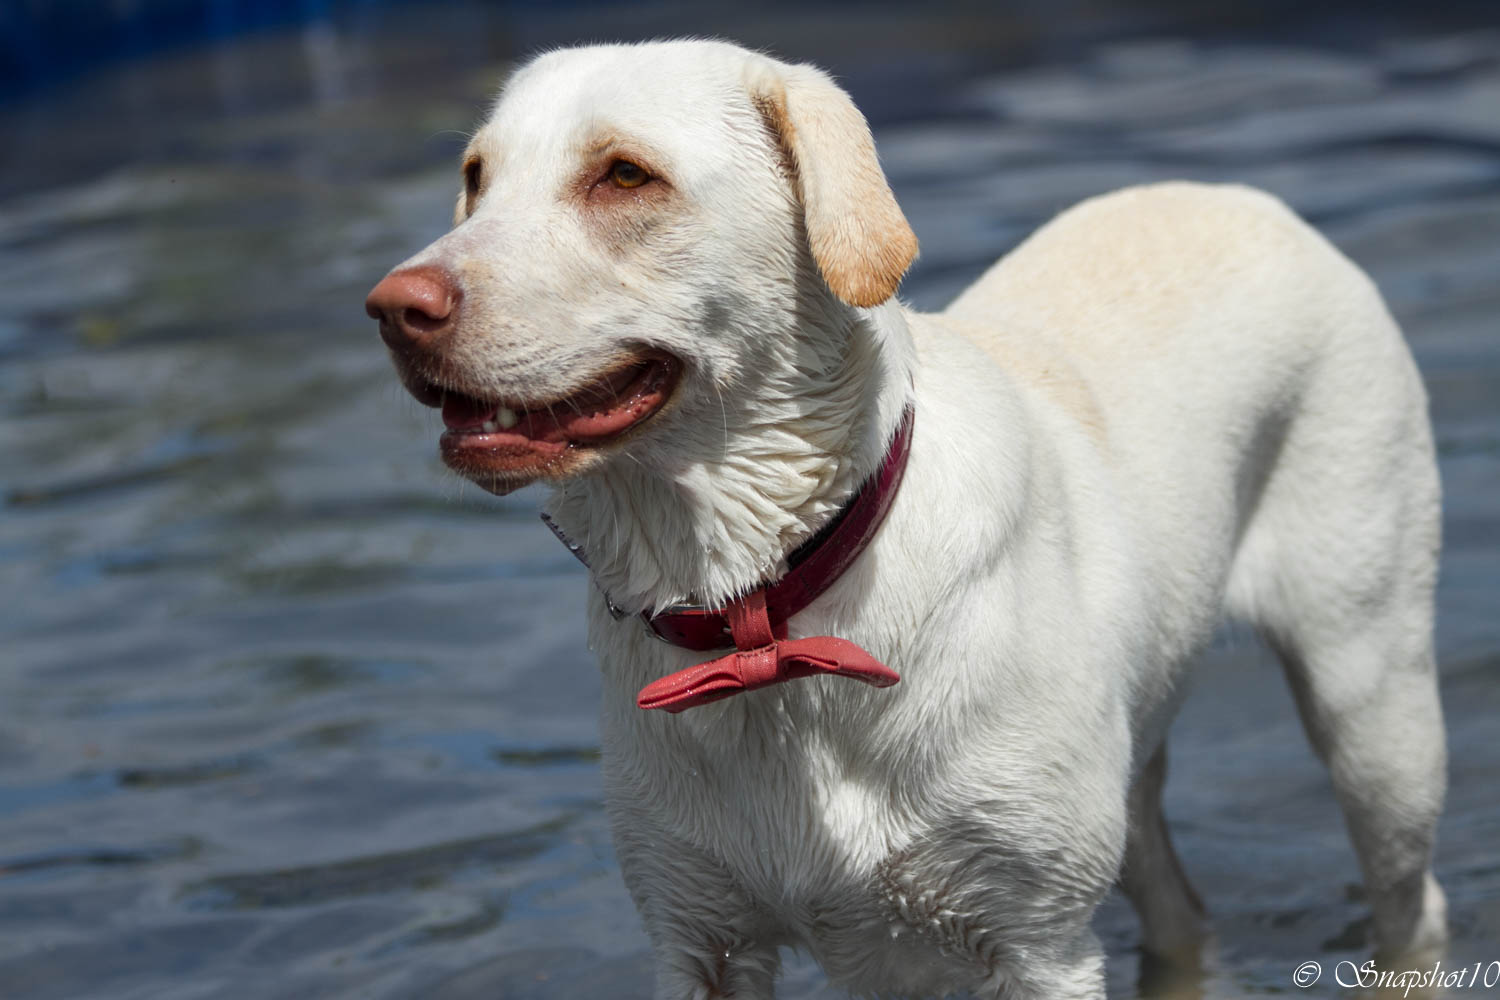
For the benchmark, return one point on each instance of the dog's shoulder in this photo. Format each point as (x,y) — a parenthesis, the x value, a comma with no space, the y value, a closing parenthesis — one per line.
(1113,248)
(1126,279)
(1185,206)
(1145,264)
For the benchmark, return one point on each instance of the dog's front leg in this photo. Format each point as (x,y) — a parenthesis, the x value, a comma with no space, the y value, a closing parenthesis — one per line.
(711,941)
(698,970)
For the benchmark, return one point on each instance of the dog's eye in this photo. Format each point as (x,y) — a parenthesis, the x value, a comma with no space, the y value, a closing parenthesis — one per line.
(628,175)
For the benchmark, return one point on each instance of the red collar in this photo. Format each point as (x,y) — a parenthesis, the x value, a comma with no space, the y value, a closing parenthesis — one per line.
(756,623)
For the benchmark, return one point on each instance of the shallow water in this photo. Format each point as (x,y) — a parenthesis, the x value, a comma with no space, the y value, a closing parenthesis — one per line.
(287,712)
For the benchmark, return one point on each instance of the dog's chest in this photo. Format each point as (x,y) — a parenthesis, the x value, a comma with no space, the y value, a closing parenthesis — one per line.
(791,808)
(794,811)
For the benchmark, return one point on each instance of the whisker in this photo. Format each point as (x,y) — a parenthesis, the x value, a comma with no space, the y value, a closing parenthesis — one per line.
(614,511)
(724,416)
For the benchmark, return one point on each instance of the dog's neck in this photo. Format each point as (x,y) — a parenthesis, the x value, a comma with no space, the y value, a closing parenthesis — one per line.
(711,523)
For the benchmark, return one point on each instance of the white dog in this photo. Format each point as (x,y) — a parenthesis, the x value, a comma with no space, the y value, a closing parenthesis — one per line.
(669,295)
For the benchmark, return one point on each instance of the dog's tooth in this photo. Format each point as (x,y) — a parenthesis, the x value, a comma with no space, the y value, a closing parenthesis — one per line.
(489,427)
(507,417)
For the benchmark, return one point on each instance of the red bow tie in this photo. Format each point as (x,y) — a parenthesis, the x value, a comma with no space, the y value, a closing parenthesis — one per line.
(762,660)
(756,623)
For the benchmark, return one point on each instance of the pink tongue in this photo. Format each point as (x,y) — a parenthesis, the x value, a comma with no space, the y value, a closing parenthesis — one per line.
(605,422)
(463,412)
(603,412)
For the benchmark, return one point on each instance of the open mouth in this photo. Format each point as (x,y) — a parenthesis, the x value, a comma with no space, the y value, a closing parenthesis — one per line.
(503,446)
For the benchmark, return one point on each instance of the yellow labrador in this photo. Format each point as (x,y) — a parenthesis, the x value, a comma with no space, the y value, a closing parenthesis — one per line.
(669,295)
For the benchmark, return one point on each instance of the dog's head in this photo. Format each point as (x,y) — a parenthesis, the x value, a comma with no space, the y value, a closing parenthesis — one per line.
(642,231)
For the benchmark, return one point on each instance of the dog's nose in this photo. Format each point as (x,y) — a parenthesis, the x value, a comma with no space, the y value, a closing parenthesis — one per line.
(416,307)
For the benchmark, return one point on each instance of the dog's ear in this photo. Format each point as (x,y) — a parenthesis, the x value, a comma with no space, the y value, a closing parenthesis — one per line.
(859,238)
